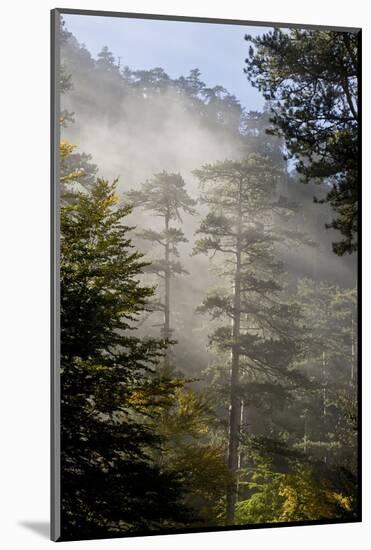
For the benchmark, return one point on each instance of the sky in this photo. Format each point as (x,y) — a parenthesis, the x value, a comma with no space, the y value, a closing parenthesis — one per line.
(218,50)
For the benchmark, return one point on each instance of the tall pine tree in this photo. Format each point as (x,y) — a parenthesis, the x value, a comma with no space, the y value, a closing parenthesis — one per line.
(165,196)
(262,336)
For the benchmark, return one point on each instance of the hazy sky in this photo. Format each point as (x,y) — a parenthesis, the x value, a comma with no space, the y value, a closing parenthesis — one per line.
(217,50)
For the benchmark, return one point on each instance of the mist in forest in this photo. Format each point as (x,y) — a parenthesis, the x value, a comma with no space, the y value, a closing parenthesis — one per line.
(135,125)
(130,144)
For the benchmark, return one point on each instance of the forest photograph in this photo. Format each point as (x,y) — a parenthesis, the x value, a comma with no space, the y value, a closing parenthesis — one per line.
(208,208)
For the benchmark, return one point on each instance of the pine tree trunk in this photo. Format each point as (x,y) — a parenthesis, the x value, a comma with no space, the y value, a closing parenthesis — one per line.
(235,400)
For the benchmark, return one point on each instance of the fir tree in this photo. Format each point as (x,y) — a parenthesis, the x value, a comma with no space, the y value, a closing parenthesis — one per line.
(106,440)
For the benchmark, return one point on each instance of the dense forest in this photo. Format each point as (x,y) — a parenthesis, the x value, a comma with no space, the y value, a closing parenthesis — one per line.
(209,291)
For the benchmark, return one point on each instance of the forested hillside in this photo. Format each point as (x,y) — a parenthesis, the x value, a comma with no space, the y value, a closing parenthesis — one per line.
(208,320)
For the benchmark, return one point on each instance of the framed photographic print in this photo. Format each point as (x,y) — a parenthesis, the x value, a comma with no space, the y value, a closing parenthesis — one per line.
(205,274)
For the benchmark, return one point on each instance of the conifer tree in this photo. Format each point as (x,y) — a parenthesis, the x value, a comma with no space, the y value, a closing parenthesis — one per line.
(261,337)
(107,474)
(310,78)
(166,197)
(329,312)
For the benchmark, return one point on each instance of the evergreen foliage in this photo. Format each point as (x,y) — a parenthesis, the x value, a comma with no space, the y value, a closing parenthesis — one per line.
(261,425)
(166,197)
(106,439)
(310,78)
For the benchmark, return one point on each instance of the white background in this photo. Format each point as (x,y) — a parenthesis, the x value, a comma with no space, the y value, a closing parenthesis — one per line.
(24,272)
